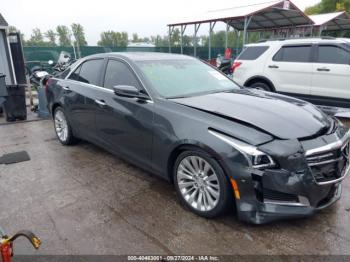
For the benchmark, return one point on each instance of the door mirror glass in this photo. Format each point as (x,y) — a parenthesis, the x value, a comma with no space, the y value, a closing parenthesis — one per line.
(128,91)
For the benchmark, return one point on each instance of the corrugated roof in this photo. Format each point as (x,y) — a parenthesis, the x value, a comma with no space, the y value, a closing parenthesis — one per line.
(3,21)
(332,21)
(267,15)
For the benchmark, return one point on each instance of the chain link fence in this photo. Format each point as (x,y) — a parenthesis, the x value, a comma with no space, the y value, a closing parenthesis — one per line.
(39,55)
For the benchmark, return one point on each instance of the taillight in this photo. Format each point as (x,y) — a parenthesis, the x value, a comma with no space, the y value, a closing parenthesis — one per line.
(235,65)
(47,83)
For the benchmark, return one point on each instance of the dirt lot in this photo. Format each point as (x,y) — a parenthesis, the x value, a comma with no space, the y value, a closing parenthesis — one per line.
(82,200)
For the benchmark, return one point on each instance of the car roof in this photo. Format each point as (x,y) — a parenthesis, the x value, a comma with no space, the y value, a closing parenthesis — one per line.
(142,56)
(300,41)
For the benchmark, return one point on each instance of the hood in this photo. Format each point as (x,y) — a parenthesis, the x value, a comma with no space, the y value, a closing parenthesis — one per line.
(282,116)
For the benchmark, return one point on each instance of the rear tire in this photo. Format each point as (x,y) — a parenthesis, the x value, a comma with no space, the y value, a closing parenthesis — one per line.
(62,127)
(201,184)
(261,86)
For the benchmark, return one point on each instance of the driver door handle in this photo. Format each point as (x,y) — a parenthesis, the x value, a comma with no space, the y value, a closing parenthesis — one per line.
(323,69)
(100,102)
(273,66)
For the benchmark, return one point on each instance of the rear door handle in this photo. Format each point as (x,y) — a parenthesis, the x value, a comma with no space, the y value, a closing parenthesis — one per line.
(323,69)
(66,88)
(273,66)
(100,102)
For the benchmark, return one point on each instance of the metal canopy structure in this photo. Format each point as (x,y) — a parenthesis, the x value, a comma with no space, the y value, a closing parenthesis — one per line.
(338,21)
(3,23)
(265,16)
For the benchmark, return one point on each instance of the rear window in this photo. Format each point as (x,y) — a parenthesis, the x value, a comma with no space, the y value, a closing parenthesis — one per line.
(252,52)
(333,55)
(299,54)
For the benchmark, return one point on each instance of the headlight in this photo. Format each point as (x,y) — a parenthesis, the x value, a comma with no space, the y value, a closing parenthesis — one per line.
(256,158)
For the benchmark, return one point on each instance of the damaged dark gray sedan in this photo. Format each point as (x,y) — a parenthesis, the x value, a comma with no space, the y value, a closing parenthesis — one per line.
(269,156)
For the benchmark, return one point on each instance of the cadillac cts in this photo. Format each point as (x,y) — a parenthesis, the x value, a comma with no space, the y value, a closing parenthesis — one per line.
(270,156)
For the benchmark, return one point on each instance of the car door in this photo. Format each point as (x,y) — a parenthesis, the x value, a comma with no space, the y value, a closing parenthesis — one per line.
(290,69)
(124,125)
(331,72)
(81,87)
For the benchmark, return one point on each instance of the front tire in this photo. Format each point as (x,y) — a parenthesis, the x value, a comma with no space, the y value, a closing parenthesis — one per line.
(62,127)
(261,86)
(201,184)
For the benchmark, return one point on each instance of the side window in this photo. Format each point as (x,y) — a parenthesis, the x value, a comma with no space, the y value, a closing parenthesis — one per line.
(118,73)
(252,52)
(333,55)
(299,54)
(75,74)
(88,72)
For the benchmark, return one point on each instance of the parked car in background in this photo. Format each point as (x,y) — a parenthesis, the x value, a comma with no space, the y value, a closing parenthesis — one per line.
(314,69)
(271,156)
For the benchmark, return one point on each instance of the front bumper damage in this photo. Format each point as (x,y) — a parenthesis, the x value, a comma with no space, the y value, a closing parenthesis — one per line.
(307,179)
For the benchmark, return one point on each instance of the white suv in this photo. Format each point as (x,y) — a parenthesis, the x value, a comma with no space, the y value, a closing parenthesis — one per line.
(314,69)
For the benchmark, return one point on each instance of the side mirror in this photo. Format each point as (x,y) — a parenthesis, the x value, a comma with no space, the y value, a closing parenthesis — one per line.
(129,91)
(50,62)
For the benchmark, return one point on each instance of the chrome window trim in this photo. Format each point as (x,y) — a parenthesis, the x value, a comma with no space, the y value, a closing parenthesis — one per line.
(150,101)
(102,88)
(132,69)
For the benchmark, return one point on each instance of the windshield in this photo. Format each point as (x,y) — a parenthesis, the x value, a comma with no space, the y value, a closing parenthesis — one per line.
(184,77)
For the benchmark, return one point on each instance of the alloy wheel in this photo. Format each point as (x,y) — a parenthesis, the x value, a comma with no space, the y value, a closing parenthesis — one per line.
(61,125)
(198,183)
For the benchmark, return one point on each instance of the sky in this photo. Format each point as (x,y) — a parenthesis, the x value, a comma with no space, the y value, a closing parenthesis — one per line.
(146,18)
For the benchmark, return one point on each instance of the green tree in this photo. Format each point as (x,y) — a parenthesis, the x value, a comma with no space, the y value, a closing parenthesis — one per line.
(13,29)
(51,36)
(328,6)
(63,35)
(135,38)
(175,37)
(36,38)
(113,39)
(79,34)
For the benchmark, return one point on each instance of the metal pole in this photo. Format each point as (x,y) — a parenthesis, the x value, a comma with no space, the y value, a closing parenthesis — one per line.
(196,28)
(181,40)
(209,51)
(195,41)
(246,26)
(226,34)
(211,28)
(245,29)
(169,35)
(321,30)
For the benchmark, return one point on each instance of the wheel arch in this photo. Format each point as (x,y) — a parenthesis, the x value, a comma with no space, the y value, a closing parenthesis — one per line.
(259,78)
(54,106)
(186,146)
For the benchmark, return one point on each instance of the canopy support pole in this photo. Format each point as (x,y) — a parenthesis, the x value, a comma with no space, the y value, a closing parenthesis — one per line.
(196,28)
(183,28)
(226,35)
(169,35)
(211,28)
(246,26)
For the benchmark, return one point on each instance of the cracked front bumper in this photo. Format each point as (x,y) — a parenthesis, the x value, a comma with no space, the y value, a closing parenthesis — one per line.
(292,190)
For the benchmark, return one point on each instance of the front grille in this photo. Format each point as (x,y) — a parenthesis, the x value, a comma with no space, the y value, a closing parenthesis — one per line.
(329,165)
(279,196)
